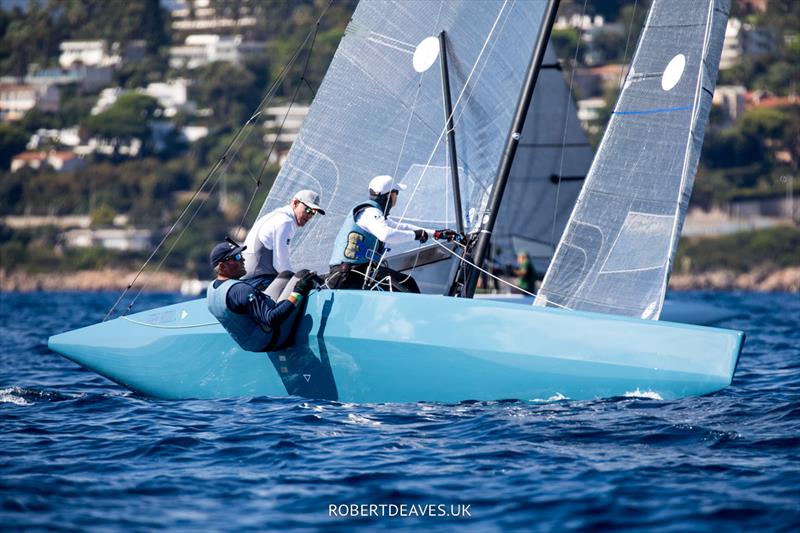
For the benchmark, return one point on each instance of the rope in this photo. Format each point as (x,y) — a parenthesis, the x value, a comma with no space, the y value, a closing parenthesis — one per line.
(470,263)
(228,149)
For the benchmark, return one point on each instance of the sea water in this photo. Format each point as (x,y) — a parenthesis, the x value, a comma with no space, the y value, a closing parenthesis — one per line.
(79,453)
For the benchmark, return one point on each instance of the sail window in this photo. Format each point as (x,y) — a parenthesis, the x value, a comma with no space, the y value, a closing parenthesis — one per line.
(673,72)
(426,53)
(628,254)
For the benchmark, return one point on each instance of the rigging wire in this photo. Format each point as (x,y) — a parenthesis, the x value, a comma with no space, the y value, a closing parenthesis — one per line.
(627,43)
(566,122)
(490,274)
(283,123)
(259,109)
(172,246)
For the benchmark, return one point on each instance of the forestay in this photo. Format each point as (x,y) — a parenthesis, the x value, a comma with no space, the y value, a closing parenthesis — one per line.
(379,111)
(616,252)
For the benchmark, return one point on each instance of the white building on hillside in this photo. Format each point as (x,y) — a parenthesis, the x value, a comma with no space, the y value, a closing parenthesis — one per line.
(64,136)
(58,161)
(124,239)
(743,39)
(204,16)
(731,98)
(172,95)
(89,78)
(107,98)
(89,53)
(17,99)
(203,49)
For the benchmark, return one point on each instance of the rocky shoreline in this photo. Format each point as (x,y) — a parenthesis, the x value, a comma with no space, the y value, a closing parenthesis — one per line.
(758,280)
(88,281)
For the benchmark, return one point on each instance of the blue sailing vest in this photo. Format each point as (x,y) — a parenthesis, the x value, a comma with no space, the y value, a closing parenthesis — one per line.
(354,244)
(248,333)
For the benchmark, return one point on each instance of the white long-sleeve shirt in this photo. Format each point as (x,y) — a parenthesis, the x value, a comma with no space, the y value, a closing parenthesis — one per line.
(386,230)
(275,231)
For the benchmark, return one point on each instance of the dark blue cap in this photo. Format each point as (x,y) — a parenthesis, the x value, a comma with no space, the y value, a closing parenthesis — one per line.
(224,250)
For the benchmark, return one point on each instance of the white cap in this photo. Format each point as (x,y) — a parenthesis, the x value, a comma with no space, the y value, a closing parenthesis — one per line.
(310,198)
(384,184)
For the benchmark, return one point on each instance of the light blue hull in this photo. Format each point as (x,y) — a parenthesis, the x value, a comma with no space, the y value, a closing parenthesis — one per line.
(356,346)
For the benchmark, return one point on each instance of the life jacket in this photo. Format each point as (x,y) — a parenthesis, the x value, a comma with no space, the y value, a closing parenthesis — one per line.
(354,244)
(257,257)
(248,333)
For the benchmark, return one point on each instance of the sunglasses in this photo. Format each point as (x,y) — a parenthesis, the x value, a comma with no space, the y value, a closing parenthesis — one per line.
(237,257)
(309,210)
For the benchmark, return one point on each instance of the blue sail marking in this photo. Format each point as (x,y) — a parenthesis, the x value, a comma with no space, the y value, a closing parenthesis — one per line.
(651,111)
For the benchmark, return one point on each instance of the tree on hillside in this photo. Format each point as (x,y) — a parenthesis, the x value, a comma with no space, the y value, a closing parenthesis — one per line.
(128,118)
(36,119)
(120,21)
(229,90)
(12,142)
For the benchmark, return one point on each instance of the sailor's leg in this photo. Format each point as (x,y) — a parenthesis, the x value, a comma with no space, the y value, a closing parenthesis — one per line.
(275,288)
(286,330)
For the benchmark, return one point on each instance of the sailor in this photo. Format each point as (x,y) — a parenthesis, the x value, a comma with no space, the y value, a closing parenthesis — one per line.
(363,237)
(525,273)
(269,238)
(252,318)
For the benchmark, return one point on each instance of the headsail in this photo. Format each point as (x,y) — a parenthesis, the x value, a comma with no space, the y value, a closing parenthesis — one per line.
(616,252)
(379,111)
(551,163)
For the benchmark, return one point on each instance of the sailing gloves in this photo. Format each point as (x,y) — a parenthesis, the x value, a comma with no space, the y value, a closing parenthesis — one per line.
(305,283)
(440,234)
(446,234)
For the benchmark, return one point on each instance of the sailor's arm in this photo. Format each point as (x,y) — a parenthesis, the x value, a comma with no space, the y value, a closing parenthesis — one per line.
(403,225)
(372,220)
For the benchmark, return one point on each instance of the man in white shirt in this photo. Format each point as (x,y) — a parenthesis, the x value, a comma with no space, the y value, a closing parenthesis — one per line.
(268,241)
(365,232)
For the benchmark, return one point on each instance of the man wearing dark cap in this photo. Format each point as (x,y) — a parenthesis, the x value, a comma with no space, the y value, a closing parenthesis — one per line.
(252,317)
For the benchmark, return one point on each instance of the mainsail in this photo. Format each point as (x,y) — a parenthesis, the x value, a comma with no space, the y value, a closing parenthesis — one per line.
(379,111)
(616,252)
(552,160)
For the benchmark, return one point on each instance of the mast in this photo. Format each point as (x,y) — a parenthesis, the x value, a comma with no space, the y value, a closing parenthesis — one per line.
(485,232)
(451,140)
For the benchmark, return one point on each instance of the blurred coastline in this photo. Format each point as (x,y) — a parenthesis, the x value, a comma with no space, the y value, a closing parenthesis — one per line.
(111,117)
(758,280)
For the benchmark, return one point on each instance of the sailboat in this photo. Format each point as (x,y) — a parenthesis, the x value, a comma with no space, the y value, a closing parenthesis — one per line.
(594,331)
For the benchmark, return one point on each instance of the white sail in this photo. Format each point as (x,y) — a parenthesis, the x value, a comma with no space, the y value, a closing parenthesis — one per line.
(379,110)
(616,252)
